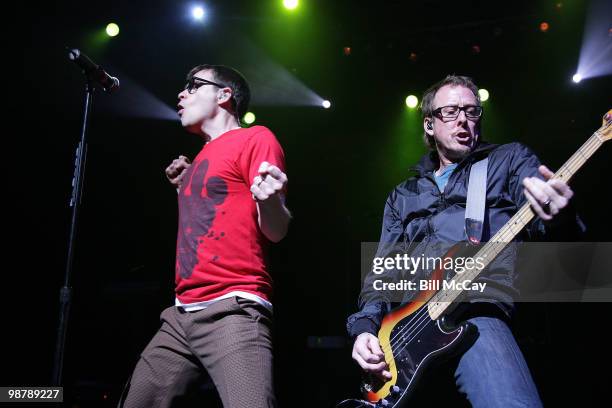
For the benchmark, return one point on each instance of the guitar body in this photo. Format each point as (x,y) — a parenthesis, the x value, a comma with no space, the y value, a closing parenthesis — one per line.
(433,343)
(412,341)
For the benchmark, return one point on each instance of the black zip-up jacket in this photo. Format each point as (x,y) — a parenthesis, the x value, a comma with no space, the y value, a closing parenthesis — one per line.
(417,213)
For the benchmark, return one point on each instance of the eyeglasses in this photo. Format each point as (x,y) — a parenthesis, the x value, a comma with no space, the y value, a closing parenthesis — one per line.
(194,83)
(451,112)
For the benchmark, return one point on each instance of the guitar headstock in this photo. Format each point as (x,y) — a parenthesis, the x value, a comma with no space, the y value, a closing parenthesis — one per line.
(605,131)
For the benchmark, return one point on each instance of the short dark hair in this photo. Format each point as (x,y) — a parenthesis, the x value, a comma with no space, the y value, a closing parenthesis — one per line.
(427,106)
(229,77)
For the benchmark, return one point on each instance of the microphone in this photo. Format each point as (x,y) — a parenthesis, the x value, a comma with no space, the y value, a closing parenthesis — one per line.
(93,71)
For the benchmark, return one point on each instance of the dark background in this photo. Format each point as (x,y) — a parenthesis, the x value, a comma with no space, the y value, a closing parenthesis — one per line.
(341,163)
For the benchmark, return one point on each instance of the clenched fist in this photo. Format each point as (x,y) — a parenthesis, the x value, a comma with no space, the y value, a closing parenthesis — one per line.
(268,183)
(176,170)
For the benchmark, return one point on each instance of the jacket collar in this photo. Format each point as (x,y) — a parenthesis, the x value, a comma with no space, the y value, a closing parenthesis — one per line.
(430,162)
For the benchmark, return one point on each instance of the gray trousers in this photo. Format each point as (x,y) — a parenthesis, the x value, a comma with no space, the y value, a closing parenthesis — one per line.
(231,340)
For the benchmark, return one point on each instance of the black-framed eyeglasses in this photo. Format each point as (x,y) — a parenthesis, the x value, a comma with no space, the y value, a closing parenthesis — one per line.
(194,83)
(451,112)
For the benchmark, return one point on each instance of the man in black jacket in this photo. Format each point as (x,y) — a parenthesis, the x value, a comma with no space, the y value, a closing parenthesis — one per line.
(430,207)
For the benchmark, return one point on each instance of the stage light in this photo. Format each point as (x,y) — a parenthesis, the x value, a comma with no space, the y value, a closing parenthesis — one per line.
(248,118)
(412,101)
(484,94)
(326,104)
(112,30)
(290,4)
(596,51)
(198,13)
(277,84)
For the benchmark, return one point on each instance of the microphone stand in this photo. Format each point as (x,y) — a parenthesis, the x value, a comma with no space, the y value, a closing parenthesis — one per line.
(65,297)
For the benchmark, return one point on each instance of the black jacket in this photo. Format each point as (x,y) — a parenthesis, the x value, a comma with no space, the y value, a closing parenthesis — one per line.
(417,213)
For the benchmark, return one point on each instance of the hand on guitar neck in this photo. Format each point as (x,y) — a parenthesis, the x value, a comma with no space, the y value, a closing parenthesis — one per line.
(547,198)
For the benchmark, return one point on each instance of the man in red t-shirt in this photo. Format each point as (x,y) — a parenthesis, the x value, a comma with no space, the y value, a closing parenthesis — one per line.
(231,204)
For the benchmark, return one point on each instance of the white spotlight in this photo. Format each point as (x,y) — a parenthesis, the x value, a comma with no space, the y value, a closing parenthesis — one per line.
(198,13)
(577,78)
(326,104)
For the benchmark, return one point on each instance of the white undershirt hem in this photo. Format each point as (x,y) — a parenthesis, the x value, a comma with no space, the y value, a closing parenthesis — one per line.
(193,307)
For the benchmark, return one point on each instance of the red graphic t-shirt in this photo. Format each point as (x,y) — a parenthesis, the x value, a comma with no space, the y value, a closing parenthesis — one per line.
(220,247)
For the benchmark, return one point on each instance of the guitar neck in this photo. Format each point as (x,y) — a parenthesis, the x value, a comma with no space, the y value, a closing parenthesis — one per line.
(442,300)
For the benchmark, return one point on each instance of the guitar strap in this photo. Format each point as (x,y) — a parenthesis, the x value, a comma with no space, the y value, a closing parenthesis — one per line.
(476,200)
